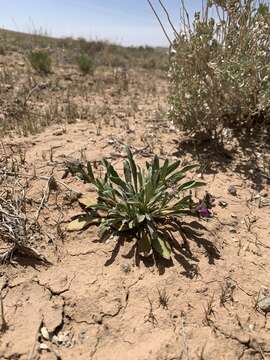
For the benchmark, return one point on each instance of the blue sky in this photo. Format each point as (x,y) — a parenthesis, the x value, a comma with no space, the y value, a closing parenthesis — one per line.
(129,22)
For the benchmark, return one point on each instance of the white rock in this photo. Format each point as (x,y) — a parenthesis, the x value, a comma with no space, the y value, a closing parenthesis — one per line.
(263,301)
(43,347)
(45,334)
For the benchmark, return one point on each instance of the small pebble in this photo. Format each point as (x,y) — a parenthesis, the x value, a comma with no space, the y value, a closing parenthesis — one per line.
(58,132)
(55,339)
(223,204)
(62,338)
(126,268)
(45,334)
(43,347)
(263,301)
(232,190)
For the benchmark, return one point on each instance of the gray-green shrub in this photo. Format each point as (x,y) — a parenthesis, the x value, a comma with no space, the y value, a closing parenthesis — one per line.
(220,69)
(40,61)
(86,64)
(142,203)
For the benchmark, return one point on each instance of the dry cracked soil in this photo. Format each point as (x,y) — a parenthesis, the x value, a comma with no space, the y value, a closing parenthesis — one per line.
(91,301)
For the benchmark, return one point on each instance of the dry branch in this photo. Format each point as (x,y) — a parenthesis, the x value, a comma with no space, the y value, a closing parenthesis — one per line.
(169,18)
(160,22)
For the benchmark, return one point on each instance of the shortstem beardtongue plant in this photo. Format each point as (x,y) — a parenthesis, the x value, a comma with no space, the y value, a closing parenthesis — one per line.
(142,203)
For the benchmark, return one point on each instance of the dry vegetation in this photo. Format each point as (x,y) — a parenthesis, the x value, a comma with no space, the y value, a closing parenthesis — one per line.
(74,295)
(220,70)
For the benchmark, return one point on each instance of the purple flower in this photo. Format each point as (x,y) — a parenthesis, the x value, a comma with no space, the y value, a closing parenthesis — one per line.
(204,205)
(203,212)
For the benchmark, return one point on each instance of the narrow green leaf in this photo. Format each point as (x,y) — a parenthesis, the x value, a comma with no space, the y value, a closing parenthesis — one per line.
(172,167)
(144,243)
(81,223)
(110,169)
(118,181)
(178,212)
(90,172)
(156,178)
(151,227)
(157,197)
(127,171)
(99,185)
(140,177)
(156,163)
(164,169)
(191,185)
(162,247)
(184,203)
(175,178)
(108,201)
(188,168)
(133,168)
(149,191)
(129,153)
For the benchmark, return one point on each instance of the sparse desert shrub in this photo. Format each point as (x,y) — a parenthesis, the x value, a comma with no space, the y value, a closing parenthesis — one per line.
(90,47)
(3,42)
(40,61)
(2,50)
(220,69)
(150,64)
(144,204)
(86,64)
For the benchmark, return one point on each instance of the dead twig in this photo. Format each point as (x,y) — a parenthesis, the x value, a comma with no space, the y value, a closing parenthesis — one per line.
(34,176)
(4,325)
(163,298)
(184,335)
(208,311)
(160,22)
(36,87)
(151,317)
(169,19)
(45,197)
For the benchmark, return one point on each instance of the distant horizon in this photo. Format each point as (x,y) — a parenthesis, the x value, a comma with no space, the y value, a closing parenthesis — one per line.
(45,34)
(117,21)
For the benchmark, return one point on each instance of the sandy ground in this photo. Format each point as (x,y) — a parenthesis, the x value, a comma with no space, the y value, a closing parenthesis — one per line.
(92,301)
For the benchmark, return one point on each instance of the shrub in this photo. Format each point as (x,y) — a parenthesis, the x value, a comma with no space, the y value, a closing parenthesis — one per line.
(143,203)
(2,50)
(86,64)
(220,69)
(149,64)
(40,61)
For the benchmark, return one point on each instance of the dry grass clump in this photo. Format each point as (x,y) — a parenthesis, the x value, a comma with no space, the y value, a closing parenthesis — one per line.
(16,229)
(220,67)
